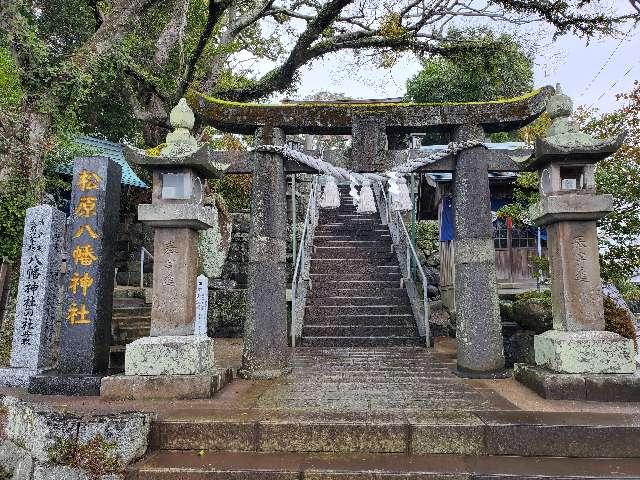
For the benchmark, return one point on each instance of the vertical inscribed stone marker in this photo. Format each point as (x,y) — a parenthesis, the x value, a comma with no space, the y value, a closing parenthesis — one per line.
(202,305)
(479,331)
(266,351)
(31,350)
(85,334)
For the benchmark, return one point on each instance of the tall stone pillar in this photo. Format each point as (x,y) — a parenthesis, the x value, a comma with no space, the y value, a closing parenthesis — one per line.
(479,332)
(172,362)
(266,351)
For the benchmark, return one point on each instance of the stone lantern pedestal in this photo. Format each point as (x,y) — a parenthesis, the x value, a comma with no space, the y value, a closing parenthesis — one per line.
(173,362)
(577,357)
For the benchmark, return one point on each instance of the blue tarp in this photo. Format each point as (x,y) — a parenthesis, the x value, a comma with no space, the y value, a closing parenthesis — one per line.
(447,228)
(447,232)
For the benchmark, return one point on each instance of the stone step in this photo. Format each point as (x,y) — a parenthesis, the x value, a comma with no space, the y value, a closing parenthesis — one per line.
(382,245)
(396,300)
(131,311)
(343,329)
(371,277)
(504,433)
(366,341)
(346,214)
(351,230)
(381,255)
(126,330)
(354,266)
(321,311)
(119,302)
(364,320)
(194,465)
(324,292)
(357,237)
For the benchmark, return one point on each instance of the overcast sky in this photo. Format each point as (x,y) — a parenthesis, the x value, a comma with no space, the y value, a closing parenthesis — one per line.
(590,73)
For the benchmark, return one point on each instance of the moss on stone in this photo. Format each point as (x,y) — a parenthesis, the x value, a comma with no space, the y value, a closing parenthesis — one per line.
(155,151)
(618,320)
(532,311)
(95,456)
(193,95)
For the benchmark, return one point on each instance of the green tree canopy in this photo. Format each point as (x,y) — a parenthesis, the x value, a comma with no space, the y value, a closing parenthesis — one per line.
(115,68)
(476,66)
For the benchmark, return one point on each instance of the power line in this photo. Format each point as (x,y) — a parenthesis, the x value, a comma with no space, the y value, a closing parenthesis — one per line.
(627,72)
(607,62)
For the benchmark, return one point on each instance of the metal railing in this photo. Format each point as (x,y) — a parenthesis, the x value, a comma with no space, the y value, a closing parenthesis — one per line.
(143,252)
(409,262)
(300,283)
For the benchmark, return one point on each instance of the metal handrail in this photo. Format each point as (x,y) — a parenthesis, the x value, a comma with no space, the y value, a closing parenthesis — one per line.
(143,251)
(310,221)
(398,229)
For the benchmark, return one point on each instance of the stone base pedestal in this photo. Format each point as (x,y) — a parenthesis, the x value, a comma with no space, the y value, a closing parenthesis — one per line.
(464,373)
(17,377)
(54,383)
(180,355)
(164,387)
(585,387)
(588,352)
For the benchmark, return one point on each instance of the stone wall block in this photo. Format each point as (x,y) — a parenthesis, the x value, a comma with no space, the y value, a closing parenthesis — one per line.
(44,471)
(38,429)
(129,432)
(24,469)
(170,355)
(11,455)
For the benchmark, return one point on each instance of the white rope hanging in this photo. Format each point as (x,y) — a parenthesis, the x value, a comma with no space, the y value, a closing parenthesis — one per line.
(398,189)
(367,203)
(330,197)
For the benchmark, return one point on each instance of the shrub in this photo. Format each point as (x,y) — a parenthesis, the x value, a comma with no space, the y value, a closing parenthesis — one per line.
(618,320)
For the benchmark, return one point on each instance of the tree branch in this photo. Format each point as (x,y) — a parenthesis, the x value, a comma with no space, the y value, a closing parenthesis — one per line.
(171,33)
(215,11)
(280,77)
(97,13)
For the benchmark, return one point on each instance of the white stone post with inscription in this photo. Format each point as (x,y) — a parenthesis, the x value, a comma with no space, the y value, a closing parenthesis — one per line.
(34,326)
(202,305)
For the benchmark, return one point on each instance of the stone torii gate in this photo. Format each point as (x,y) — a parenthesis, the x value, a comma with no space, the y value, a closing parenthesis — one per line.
(374,127)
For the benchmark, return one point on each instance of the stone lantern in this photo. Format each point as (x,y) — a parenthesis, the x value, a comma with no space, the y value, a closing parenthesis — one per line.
(578,345)
(172,357)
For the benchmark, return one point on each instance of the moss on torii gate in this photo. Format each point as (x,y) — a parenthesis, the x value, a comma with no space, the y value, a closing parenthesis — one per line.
(338,118)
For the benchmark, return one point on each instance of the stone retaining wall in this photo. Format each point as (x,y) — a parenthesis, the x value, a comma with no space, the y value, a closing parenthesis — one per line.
(36,436)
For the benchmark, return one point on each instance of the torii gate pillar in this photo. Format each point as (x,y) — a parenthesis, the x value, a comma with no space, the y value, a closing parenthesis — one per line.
(266,351)
(479,332)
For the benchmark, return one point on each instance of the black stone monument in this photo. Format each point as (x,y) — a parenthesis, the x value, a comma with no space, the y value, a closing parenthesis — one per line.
(85,334)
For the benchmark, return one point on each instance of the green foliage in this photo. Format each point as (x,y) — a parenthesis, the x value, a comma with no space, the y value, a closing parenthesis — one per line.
(619,175)
(428,236)
(532,310)
(235,190)
(10,85)
(16,195)
(539,267)
(476,65)
(525,193)
(619,320)
(96,456)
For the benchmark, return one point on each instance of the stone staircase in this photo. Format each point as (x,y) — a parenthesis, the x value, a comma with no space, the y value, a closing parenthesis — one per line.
(355,297)
(426,445)
(130,320)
